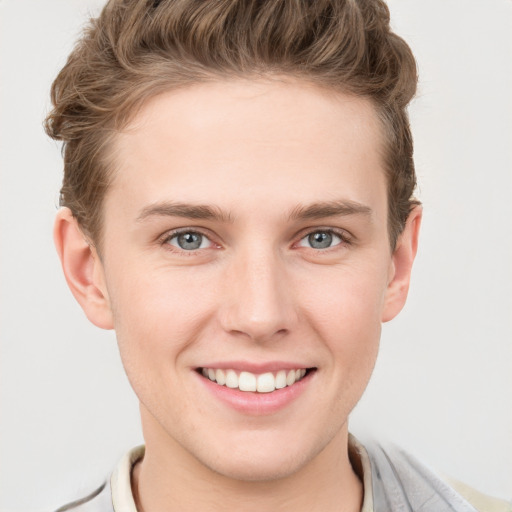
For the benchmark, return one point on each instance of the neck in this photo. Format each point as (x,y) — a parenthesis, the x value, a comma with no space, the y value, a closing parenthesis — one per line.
(170,479)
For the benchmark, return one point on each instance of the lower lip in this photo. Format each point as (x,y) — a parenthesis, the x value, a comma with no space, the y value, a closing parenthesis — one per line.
(257,404)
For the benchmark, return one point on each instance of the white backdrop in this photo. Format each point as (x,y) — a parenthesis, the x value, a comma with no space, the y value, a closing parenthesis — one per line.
(443,384)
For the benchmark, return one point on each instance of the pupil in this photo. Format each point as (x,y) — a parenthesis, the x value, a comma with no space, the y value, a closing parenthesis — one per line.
(189,241)
(320,240)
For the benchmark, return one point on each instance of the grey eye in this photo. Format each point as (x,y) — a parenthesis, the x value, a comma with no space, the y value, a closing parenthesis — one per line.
(320,240)
(189,241)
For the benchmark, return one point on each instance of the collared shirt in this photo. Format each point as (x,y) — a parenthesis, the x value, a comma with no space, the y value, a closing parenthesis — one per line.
(116,494)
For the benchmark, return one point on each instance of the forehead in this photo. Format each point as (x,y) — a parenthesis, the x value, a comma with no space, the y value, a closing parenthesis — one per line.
(268,139)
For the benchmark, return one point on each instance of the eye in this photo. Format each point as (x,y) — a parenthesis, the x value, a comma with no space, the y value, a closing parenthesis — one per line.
(189,241)
(322,239)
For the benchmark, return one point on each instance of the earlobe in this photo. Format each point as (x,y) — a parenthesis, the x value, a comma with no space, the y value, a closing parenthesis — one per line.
(402,260)
(83,269)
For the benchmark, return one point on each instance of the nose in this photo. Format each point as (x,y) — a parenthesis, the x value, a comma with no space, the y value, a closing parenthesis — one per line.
(258,298)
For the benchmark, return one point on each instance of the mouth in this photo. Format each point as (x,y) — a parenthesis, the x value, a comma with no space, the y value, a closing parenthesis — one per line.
(267,382)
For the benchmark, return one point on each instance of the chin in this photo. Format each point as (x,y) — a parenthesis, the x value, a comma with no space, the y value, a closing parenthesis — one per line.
(256,458)
(256,468)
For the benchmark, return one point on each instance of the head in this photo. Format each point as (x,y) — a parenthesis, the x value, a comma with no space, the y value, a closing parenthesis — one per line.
(239,179)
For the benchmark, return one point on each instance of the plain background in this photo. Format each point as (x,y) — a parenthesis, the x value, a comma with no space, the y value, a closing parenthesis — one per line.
(443,385)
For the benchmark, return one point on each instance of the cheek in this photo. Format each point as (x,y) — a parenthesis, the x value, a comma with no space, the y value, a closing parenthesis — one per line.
(344,299)
(345,313)
(156,316)
(160,299)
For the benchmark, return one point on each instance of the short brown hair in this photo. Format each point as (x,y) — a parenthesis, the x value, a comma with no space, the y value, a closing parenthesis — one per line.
(137,49)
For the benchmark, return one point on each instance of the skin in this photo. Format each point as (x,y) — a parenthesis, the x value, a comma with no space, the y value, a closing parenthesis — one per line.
(259,154)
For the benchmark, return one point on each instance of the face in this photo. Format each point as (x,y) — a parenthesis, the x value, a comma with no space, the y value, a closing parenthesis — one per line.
(246,262)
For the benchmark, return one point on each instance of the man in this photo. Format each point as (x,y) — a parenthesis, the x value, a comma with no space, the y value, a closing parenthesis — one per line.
(238,205)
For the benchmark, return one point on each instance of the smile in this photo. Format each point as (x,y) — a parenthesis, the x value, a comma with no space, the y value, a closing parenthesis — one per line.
(251,382)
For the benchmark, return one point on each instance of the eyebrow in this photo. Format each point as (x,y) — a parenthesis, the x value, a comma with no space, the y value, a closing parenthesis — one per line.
(189,211)
(318,210)
(329,209)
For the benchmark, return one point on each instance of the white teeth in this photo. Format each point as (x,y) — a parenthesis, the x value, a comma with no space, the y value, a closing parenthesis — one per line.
(281,379)
(231,379)
(247,381)
(266,383)
(220,377)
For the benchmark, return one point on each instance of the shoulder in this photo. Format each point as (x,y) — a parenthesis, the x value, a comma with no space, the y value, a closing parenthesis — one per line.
(115,494)
(100,500)
(481,502)
(401,482)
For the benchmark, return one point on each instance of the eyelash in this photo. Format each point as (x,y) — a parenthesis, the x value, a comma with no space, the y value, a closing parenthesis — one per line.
(168,236)
(164,240)
(344,236)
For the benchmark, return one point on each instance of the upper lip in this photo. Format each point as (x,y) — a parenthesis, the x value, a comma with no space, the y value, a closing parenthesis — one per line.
(257,368)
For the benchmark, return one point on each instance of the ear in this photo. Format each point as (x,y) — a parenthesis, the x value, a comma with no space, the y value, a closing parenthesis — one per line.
(401,266)
(83,269)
